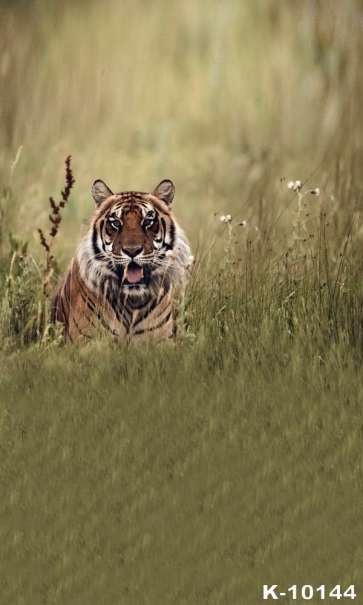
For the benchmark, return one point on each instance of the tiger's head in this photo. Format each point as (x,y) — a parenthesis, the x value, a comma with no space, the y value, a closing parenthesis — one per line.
(134,242)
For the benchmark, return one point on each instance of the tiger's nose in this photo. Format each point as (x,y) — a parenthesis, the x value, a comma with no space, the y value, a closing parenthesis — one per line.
(132,251)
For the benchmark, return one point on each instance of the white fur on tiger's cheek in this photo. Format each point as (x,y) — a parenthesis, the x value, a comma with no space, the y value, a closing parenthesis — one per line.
(167,239)
(169,254)
(157,244)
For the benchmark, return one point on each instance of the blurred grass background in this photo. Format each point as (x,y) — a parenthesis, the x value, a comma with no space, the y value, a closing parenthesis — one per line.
(225,98)
(194,472)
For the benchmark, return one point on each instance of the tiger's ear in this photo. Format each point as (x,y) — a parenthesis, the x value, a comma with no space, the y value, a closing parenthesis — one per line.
(165,191)
(100,192)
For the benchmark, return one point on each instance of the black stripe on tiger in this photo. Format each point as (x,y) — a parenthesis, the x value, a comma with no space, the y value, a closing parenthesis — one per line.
(153,328)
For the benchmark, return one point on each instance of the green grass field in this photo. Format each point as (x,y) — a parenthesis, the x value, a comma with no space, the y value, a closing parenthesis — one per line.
(191,472)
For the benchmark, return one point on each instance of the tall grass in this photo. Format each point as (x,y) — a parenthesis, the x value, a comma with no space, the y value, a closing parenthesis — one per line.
(194,471)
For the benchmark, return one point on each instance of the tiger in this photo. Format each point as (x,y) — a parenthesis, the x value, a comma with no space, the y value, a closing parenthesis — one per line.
(127,267)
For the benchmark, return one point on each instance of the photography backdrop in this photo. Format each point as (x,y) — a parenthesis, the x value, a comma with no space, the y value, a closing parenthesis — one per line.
(192,472)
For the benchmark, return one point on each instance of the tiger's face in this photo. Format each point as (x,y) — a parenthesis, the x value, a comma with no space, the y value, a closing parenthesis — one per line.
(135,240)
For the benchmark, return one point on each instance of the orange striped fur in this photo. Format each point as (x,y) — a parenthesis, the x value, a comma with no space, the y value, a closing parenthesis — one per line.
(126,268)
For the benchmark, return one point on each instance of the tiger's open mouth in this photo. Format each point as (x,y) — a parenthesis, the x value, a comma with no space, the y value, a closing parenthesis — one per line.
(134,275)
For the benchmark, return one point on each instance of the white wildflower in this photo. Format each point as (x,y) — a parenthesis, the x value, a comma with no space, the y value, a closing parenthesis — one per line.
(243,223)
(315,191)
(226,219)
(295,185)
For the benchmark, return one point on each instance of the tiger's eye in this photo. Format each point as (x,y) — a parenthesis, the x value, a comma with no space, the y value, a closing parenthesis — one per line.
(115,223)
(149,218)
